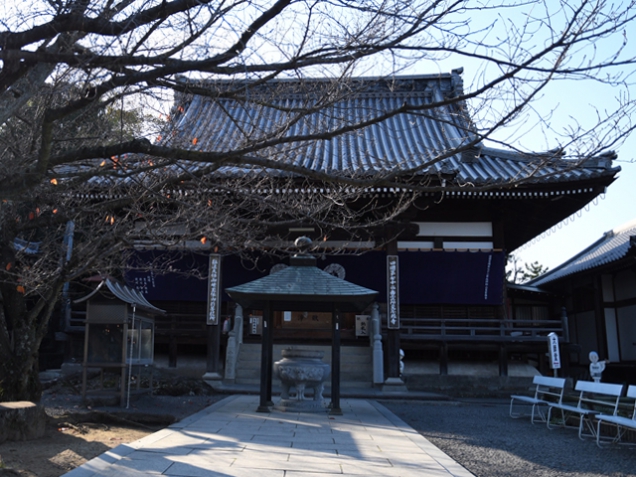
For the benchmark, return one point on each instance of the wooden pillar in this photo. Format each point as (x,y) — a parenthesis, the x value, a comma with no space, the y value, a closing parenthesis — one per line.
(443,359)
(498,236)
(172,350)
(394,353)
(503,360)
(213,345)
(565,325)
(87,328)
(124,367)
(270,354)
(266,351)
(335,364)
(172,343)
(599,319)
(564,343)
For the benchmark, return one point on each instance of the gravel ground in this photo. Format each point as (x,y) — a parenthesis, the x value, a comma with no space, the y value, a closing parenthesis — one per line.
(480,435)
(174,396)
(178,407)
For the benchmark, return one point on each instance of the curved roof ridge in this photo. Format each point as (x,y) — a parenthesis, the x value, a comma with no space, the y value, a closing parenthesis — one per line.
(603,161)
(621,229)
(131,296)
(611,247)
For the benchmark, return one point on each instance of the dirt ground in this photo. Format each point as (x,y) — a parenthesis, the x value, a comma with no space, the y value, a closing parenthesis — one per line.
(77,431)
(63,448)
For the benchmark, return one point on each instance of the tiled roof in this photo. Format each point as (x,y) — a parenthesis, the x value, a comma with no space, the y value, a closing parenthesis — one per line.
(403,143)
(124,293)
(131,296)
(613,246)
(302,281)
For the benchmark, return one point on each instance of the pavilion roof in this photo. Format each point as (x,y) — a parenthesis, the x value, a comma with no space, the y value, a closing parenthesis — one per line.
(302,286)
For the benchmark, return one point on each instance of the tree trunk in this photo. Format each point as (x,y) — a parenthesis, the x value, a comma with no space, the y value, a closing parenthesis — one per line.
(23,324)
(19,358)
(19,379)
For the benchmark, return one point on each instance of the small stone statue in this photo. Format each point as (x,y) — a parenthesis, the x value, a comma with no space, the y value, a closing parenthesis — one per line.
(596,367)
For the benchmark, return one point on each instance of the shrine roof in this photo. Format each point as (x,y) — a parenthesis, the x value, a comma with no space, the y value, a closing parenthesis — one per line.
(124,293)
(422,141)
(613,246)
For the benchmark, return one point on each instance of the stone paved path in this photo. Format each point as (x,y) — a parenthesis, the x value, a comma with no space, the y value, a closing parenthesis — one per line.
(230,438)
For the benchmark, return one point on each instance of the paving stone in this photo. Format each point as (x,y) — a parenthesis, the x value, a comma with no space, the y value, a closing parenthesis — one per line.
(368,441)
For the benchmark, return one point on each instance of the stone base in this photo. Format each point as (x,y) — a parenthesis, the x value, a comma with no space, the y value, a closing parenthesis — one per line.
(295,405)
(394,385)
(69,369)
(212,376)
(21,421)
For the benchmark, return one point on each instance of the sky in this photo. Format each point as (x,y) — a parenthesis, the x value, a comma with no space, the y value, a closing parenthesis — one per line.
(569,102)
(609,211)
(615,208)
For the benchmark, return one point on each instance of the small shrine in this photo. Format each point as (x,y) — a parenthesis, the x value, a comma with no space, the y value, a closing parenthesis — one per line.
(119,338)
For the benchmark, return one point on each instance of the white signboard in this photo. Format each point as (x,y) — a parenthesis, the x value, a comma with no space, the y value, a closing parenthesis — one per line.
(214,289)
(362,325)
(255,325)
(553,351)
(393,292)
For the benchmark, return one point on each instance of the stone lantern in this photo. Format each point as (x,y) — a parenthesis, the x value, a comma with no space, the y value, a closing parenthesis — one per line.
(299,287)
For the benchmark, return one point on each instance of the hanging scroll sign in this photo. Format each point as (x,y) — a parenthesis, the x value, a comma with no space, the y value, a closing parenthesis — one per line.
(214,289)
(393,292)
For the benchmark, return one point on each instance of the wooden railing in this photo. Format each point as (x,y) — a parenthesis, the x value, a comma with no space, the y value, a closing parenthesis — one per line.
(183,326)
(479,329)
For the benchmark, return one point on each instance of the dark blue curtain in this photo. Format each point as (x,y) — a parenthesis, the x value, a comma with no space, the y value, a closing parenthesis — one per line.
(186,278)
(454,278)
(468,278)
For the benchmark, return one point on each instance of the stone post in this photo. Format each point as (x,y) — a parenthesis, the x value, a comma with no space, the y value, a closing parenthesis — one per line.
(378,354)
(234,340)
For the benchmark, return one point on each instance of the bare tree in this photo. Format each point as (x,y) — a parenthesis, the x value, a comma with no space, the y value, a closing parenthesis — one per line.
(519,272)
(77,162)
